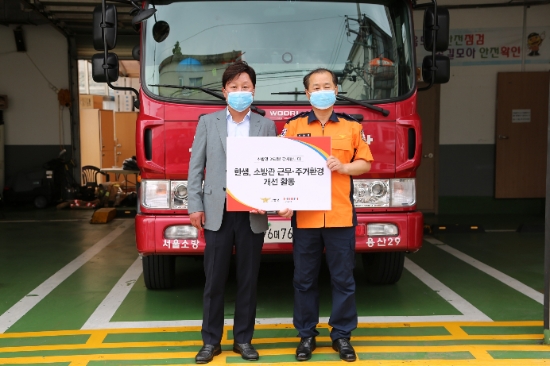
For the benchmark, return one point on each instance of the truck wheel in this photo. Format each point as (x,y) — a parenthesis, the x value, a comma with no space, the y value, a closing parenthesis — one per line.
(40,202)
(383,268)
(159,271)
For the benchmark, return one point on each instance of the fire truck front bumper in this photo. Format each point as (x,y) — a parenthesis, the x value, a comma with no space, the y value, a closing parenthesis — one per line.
(375,232)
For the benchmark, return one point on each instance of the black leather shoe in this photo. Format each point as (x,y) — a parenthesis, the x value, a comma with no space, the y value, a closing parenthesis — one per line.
(305,348)
(344,348)
(246,350)
(207,353)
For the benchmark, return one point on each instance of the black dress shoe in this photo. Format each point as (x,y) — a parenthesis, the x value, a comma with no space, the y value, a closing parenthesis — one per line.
(344,348)
(246,350)
(305,348)
(207,353)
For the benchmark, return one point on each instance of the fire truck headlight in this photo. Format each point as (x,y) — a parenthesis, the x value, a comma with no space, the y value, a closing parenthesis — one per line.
(403,192)
(178,197)
(180,192)
(371,192)
(155,193)
(181,232)
(384,192)
(378,189)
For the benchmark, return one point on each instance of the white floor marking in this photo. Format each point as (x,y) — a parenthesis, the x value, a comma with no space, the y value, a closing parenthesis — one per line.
(101,317)
(24,305)
(433,240)
(504,278)
(116,296)
(446,293)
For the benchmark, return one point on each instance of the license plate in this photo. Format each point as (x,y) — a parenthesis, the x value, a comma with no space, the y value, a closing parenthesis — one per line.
(278,232)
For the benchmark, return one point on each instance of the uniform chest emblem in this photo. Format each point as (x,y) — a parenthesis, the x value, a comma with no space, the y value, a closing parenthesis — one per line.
(304,135)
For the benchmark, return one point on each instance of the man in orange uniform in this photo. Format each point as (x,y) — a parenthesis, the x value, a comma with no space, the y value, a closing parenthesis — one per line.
(332,231)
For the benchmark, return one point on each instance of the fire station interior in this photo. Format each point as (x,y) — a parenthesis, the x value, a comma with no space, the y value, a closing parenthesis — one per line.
(72,290)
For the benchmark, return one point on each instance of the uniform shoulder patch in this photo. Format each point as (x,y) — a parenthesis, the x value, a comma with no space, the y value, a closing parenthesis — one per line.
(299,115)
(347,116)
(364,138)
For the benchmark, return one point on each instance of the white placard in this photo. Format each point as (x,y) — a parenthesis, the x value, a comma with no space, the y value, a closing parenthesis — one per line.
(274,173)
(521,115)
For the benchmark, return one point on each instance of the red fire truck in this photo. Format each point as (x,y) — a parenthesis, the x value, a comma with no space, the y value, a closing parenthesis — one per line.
(184,50)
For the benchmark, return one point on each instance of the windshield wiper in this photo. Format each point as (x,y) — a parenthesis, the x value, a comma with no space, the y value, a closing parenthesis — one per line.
(384,112)
(205,90)
(211,92)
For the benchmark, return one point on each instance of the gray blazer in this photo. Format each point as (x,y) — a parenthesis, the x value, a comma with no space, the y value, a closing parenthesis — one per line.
(209,151)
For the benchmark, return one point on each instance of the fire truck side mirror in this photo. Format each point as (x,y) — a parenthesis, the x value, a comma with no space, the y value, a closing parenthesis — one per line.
(441,35)
(100,65)
(161,29)
(142,15)
(105,30)
(440,73)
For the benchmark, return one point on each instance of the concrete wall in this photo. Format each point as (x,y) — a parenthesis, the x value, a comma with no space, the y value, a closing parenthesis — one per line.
(468,102)
(32,120)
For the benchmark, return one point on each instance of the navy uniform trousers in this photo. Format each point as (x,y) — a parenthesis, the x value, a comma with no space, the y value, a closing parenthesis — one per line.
(340,255)
(234,231)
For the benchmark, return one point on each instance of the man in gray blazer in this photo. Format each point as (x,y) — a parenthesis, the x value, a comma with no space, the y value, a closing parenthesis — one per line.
(224,230)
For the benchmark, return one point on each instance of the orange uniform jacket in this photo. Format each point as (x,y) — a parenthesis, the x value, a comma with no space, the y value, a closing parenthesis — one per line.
(348,144)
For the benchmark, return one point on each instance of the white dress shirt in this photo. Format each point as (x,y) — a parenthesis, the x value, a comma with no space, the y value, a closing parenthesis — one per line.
(238,129)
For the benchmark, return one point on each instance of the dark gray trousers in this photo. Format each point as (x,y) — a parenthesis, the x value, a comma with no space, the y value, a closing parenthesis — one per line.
(235,233)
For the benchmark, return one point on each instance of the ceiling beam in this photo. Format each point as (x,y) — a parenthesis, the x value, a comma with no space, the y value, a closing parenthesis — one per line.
(36,6)
(70,9)
(78,9)
(72,2)
(89,16)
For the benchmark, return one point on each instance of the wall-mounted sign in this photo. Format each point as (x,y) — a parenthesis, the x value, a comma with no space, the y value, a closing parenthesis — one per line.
(492,46)
(521,115)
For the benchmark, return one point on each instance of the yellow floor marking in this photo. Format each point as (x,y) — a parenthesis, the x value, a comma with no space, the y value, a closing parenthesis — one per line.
(528,323)
(412,338)
(69,347)
(416,349)
(96,339)
(360,349)
(57,333)
(221,360)
(456,330)
(198,343)
(481,355)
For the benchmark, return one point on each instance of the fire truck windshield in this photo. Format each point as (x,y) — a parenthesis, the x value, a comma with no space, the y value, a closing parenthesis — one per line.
(368,46)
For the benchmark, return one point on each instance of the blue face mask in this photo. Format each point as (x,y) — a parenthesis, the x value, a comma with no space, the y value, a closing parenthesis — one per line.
(240,101)
(322,99)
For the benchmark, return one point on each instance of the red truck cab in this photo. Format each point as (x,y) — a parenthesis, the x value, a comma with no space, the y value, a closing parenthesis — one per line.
(185,48)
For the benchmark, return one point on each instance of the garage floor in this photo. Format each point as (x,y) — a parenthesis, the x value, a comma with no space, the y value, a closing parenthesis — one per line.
(71,293)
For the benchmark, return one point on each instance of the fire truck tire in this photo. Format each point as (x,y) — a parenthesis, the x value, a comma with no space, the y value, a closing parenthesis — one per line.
(40,202)
(159,271)
(383,268)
